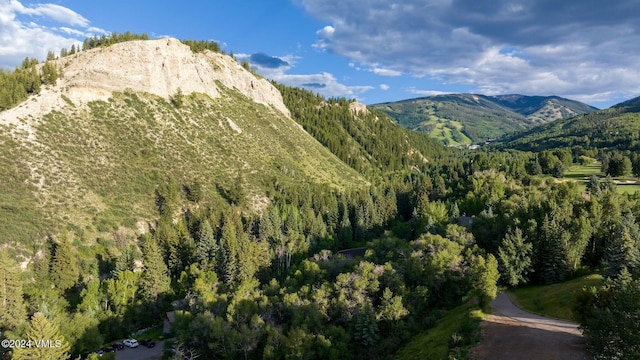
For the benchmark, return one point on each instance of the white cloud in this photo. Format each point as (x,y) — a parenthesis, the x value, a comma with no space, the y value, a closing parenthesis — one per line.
(326,31)
(385,72)
(55,12)
(384,87)
(324,83)
(581,48)
(421,92)
(25,30)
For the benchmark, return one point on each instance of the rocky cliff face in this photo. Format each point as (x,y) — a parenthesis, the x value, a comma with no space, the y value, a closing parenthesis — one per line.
(159,67)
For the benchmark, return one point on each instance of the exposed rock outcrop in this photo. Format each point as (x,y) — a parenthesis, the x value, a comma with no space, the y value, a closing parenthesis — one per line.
(159,67)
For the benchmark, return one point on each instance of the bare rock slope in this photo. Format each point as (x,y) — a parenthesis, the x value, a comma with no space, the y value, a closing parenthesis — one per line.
(160,67)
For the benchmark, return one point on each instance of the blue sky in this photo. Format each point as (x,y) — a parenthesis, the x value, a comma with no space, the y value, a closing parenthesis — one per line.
(374,50)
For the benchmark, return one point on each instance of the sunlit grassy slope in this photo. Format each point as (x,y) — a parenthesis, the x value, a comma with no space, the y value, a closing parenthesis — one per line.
(453,335)
(95,167)
(553,300)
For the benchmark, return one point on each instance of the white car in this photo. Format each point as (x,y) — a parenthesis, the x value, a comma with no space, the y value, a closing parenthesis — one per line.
(132,343)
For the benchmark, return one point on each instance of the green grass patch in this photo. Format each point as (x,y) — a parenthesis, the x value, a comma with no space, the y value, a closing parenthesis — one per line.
(452,337)
(583,172)
(553,300)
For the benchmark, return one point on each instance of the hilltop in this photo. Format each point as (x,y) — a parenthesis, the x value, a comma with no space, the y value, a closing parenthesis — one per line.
(125,120)
(460,119)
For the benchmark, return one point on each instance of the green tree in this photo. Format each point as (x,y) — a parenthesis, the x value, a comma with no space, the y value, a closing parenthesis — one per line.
(122,290)
(12,308)
(41,329)
(64,267)
(228,252)
(92,298)
(206,246)
(558,170)
(391,307)
(237,193)
(366,327)
(612,322)
(49,73)
(624,249)
(485,275)
(515,258)
(616,164)
(155,279)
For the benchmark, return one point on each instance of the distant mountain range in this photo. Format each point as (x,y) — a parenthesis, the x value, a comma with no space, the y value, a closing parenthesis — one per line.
(617,127)
(462,119)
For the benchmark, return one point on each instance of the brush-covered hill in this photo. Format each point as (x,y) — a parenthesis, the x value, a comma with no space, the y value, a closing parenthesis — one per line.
(126,120)
(460,119)
(617,127)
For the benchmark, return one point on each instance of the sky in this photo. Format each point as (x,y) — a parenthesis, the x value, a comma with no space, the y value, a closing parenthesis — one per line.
(373,50)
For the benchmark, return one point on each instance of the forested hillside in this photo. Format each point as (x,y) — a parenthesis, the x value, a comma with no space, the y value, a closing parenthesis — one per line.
(614,128)
(363,138)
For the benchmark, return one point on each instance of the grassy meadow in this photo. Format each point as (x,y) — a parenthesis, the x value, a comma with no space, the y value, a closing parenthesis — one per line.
(553,300)
(582,173)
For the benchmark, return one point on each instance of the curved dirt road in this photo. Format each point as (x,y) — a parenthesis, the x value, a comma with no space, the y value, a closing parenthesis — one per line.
(514,334)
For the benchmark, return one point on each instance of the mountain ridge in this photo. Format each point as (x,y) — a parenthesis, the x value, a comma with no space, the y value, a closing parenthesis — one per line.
(161,67)
(614,128)
(463,119)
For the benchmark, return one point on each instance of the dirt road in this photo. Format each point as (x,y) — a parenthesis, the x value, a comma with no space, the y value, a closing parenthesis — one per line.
(514,334)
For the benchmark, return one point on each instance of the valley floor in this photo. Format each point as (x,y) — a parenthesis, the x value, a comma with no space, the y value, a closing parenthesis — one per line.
(512,333)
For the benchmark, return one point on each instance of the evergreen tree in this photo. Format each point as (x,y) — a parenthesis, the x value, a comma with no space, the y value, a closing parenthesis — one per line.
(228,252)
(366,330)
(155,279)
(12,308)
(624,249)
(207,246)
(41,329)
(345,228)
(49,74)
(551,251)
(64,267)
(126,261)
(515,258)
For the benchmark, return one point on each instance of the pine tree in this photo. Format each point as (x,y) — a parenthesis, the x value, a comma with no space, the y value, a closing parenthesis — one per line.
(554,265)
(49,74)
(186,244)
(42,329)
(126,261)
(12,308)
(155,279)
(228,252)
(207,246)
(623,251)
(64,267)
(366,327)
(515,257)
